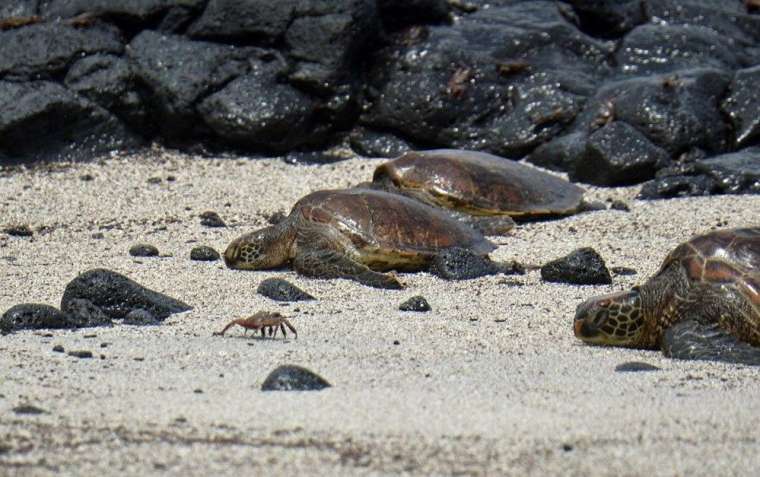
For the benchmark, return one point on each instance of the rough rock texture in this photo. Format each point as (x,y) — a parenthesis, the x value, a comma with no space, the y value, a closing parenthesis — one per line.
(117,295)
(582,267)
(82,313)
(415,303)
(462,264)
(32,316)
(279,289)
(293,378)
(742,105)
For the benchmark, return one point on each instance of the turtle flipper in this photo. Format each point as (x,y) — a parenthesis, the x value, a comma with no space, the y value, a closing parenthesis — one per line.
(323,263)
(690,339)
(489,224)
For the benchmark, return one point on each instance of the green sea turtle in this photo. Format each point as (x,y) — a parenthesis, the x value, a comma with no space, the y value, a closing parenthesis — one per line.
(356,234)
(703,303)
(484,190)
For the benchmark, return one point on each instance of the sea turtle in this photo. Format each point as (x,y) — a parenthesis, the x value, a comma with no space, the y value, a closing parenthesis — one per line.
(703,303)
(484,190)
(355,233)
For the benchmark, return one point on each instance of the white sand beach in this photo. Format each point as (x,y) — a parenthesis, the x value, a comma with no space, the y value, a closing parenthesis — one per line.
(490,382)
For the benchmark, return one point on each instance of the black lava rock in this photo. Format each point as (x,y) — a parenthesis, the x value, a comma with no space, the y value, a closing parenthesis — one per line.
(29,409)
(58,349)
(248,20)
(620,205)
(370,143)
(581,267)
(608,18)
(19,230)
(131,12)
(397,14)
(117,295)
(143,250)
(462,264)
(82,354)
(211,219)
(623,271)
(742,104)
(18,9)
(293,378)
(415,303)
(140,317)
(617,154)
(83,313)
(561,153)
(635,367)
(204,253)
(32,316)
(282,290)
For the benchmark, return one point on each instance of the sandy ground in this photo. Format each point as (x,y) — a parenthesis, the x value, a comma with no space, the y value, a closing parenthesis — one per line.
(492,381)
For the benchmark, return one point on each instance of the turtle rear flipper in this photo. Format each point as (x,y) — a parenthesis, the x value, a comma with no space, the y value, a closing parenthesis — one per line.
(690,339)
(324,263)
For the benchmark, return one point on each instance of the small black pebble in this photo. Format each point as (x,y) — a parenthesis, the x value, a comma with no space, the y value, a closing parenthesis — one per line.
(293,378)
(170,178)
(567,447)
(279,289)
(623,271)
(211,219)
(620,205)
(143,250)
(92,335)
(198,391)
(28,409)
(86,177)
(154,180)
(138,358)
(204,253)
(103,345)
(80,354)
(98,235)
(415,303)
(635,366)
(58,349)
(19,230)
(396,342)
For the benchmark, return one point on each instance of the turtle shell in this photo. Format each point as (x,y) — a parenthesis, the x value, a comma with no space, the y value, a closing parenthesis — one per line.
(389,230)
(730,257)
(481,184)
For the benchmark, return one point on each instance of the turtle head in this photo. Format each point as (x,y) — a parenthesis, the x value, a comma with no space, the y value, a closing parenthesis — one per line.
(615,319)
(259,250)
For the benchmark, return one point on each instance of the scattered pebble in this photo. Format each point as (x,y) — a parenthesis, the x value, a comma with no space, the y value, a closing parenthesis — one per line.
(279,289)
(98,235)
(58,349)
(86,177)
(198,391)
(29,409)
(293,378)
(204,253)
(19,230)
(211,219)
(620,205)
(80,354)
(143,250)
(154,180)
(415,303)
(635,366)
(623,271)
(581,267)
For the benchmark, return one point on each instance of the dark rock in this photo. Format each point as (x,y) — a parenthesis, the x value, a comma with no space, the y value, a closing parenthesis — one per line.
(415,303)
(45,50)
(260,21)
(620,205)
(397,14)
(18,9)
(581,267)
(734,173)
(742,105)
(210,218)
(623,271)
(110,82)
(462,264)
(503,80)
(608,18)
(369,143)
(179,73)
(257,112)
(83,313)
(117,295)
(58,349)
(678,112)
(32,316)
(19,230)
(140,317)
(131,12)
(282,290)
(728,19)
(81,354)
(561,153)
(43,120)
(29,409)
(661,48)
(204,253)
(143,250)
(635,367)
(293,378)
(617,154)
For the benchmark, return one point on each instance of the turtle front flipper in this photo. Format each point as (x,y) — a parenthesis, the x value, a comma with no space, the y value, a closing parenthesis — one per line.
(326,263)
(690,339)
(489,224)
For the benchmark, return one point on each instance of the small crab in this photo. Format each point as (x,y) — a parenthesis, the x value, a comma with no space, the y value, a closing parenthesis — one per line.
(262,320)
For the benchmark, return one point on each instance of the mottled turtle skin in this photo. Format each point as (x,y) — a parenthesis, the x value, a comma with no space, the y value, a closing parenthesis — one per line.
(486,190)
(703,303)
(356,234)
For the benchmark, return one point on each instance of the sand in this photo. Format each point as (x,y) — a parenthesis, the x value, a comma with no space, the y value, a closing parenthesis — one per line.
(491,382)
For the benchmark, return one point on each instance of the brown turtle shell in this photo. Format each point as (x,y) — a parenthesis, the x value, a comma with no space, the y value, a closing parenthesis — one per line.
(730,257)
(387,229)
(481,184)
